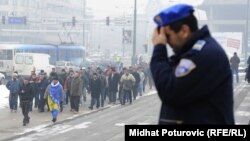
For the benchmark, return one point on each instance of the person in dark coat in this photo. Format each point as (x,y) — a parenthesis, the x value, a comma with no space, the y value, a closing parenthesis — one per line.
(113,82)
(235,61)
(247,77)
(195,84)
(34,84)
(26,95)
(67,85)
(42,85)
(137,81)
(103,85)
(95,90)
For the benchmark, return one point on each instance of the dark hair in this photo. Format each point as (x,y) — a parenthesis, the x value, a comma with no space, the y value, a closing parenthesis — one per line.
(54,77)
(53,74)
(113,69)
(190,21)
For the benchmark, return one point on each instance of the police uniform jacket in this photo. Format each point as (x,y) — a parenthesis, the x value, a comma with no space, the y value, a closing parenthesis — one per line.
(195,85)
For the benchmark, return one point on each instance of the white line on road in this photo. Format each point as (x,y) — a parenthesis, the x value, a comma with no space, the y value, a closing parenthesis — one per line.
(120,124)
(53,130)
(143,123)
(80,126)
(36,129)
(242,113)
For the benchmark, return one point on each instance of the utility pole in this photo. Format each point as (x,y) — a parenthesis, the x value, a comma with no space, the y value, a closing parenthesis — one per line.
(134,34)
(246,38)
(123,42)
(83,24)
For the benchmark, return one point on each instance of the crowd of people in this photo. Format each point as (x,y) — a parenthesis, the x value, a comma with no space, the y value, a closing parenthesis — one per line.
(59,89)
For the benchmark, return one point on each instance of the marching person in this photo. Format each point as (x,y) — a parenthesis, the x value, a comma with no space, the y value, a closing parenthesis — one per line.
(235,61)
(54,95)
(26,95)
(76,92)
(14,87)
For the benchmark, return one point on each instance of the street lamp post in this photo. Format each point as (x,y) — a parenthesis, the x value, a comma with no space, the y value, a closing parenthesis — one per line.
(134,34)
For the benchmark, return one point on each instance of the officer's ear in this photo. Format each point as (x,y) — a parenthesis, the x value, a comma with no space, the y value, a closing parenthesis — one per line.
(185,31)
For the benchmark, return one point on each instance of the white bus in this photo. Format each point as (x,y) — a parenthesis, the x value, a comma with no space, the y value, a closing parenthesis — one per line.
(6,58)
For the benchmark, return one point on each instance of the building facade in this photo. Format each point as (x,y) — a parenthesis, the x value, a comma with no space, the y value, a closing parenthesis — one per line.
(43,21)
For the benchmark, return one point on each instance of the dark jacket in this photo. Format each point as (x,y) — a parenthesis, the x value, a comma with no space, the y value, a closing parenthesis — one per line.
(27,93)
(235,61)
(103,82)
(137,78)
(202,96)
(113,82)
(67,83)
(43,85)
(14,86)
(95,87)
(85,81)
(34,86)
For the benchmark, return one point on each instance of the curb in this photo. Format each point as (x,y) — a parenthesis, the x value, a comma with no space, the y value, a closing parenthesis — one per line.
(69,119)
(57,123)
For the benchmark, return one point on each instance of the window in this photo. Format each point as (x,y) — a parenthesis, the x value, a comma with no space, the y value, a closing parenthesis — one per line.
(28,60)
(60,63)
(19,59)
(9,55)
(4,2)
(6,54)
(3,13)
(14,2)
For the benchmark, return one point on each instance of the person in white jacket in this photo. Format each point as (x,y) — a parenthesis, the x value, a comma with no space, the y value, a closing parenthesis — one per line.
(127,82)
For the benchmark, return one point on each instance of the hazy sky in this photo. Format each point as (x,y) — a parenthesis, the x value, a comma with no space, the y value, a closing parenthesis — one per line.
(104,8)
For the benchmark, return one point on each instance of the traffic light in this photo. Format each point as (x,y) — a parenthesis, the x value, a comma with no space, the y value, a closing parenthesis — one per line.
(107,21)
(74,21)
(3,19)
(24,20)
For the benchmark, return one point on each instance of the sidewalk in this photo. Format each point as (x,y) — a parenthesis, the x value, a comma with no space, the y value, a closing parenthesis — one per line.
(11,123)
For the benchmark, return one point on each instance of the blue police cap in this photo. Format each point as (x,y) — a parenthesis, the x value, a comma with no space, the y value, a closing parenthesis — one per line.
(173,14)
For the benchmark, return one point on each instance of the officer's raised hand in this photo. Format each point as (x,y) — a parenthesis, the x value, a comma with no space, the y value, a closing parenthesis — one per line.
(159,37)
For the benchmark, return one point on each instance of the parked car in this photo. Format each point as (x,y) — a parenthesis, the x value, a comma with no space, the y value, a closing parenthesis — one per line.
(2,78)
(65,65)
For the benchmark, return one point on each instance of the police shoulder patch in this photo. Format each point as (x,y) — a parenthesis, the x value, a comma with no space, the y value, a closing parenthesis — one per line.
(184,68)
(199,45)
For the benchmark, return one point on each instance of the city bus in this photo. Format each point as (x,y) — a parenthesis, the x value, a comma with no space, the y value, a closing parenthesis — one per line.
(73,53)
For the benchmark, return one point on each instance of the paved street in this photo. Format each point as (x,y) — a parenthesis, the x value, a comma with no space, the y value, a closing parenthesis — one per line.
(108,123)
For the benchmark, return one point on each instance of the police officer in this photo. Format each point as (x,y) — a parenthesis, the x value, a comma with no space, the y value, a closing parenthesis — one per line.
(195,84)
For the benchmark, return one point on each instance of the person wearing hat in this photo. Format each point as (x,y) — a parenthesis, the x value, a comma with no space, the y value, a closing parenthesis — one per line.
(54,95)
(195,84)
(26,96)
